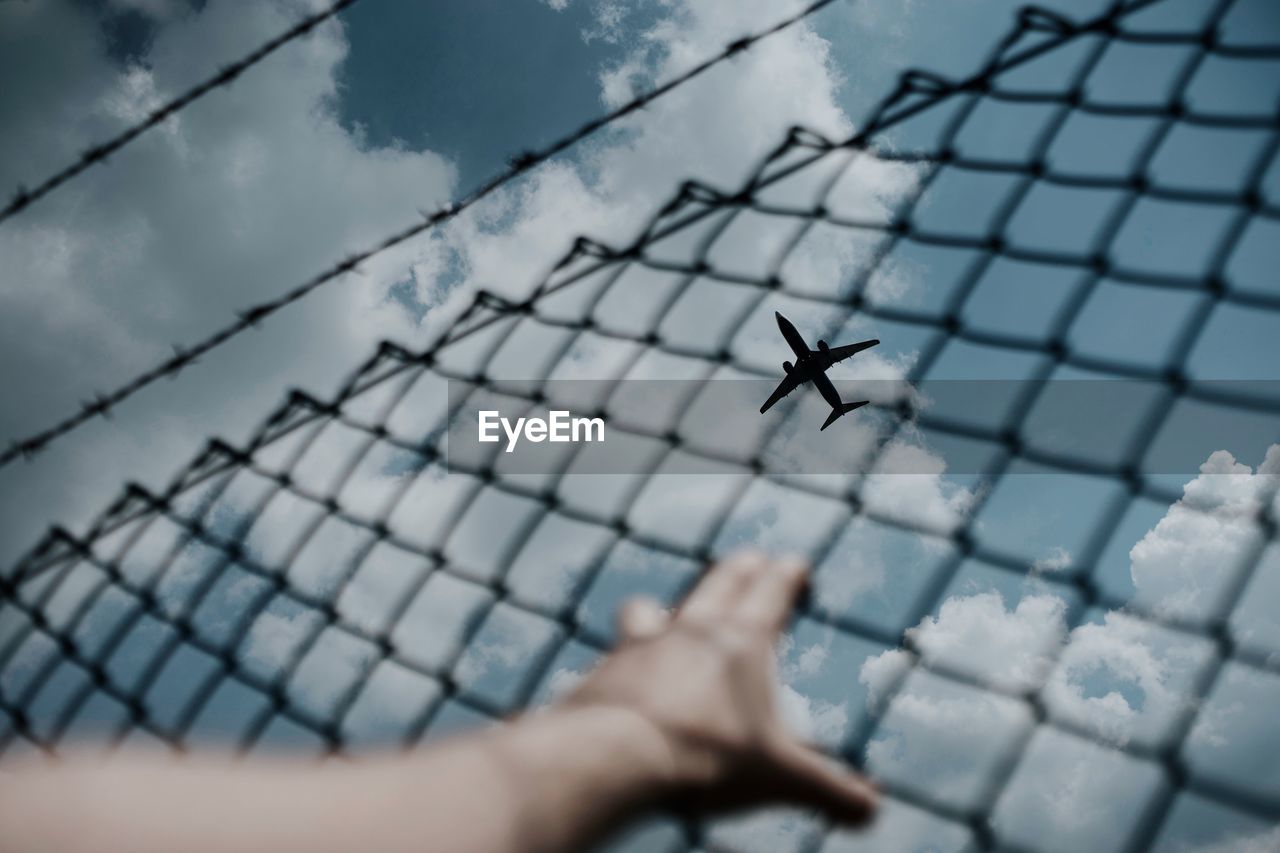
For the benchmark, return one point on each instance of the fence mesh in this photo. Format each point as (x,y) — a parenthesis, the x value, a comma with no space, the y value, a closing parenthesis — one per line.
(337,583)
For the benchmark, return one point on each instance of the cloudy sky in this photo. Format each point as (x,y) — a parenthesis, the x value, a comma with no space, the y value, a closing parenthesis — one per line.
(398,107)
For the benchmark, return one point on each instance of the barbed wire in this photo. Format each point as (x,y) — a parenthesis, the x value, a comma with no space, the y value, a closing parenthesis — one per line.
(103,402)
(99,153)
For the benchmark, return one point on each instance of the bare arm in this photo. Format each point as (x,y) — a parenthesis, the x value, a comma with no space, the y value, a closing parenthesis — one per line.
(684,713)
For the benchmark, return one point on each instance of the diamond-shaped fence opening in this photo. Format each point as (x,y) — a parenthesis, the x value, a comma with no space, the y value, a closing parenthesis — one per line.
(1053,649)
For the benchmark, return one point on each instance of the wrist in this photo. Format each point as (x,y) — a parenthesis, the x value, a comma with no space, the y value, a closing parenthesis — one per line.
(639,755)
(593,766)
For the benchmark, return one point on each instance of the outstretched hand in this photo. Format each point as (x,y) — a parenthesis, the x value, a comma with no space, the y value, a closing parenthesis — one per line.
(684,713)
(704,679)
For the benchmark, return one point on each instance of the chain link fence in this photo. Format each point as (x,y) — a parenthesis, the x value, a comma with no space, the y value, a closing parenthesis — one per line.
(1057,650)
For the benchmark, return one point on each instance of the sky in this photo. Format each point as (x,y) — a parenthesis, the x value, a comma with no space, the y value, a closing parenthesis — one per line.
(401,106)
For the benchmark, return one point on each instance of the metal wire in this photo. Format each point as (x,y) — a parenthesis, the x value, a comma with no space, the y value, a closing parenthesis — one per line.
(154,620)
(226,75)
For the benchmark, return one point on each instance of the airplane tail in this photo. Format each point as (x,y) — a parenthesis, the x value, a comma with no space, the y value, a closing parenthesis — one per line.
(842,410)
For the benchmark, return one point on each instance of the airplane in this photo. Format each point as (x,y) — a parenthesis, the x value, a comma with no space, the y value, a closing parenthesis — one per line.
(811,366)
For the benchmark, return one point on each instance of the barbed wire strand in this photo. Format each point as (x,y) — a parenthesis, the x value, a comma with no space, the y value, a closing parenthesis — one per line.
(99,153)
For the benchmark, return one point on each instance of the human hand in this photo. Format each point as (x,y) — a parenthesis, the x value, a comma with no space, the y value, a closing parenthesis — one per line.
(705,681)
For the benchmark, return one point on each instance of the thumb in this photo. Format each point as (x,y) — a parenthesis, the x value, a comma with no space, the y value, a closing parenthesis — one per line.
(811,779)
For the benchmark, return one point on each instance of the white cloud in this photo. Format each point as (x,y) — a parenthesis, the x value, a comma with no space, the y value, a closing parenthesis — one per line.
(1121,679)
(811,659)
(274,637)
(563,682)
(882,673)
(1234,737)
(1184,565)
(944,740)
(1126,679)
(909,484)
(1055,560)
(1010,647)
(608,16)
(812,720)
(509,638)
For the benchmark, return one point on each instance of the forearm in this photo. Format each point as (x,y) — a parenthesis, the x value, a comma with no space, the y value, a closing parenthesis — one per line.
(551,782)
(566,777)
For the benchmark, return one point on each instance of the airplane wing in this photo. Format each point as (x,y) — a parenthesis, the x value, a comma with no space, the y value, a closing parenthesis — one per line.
(836,354)
(788,384)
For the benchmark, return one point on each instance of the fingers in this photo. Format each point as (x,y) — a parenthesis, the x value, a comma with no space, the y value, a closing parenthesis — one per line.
(748,589)
(772,596)
(715,596)
(641,618)
(813,780)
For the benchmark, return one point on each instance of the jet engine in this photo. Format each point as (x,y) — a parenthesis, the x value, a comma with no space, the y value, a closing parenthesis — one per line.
(786,367)
(823,346)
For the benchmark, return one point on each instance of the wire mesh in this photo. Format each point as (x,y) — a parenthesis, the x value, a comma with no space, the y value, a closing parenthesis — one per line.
(339,583)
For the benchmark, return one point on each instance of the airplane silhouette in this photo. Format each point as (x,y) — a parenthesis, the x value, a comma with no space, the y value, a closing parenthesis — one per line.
(811,366)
